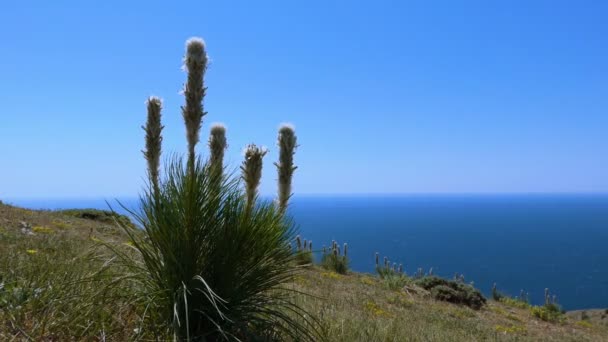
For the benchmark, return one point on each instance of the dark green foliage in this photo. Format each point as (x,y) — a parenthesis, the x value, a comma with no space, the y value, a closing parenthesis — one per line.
(452,291)
(336,263)
(211,267)
(104,216)
(445,293)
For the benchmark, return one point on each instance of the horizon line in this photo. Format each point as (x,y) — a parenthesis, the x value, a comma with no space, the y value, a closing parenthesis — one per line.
(337,194)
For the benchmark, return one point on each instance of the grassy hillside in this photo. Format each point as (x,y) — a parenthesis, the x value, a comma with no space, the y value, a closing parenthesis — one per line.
(57,283)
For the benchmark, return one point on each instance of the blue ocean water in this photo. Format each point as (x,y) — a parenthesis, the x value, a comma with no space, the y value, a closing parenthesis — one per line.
(528,242)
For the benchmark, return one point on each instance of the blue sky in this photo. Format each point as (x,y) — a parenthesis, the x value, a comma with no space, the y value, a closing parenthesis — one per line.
(386,97)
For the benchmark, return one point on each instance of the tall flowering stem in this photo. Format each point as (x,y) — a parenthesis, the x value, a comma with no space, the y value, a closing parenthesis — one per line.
(153,129)
(287,142)
(252,171)
(217,145)
(195,64)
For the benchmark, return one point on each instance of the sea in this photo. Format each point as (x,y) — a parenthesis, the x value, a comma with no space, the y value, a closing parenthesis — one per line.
(520,242)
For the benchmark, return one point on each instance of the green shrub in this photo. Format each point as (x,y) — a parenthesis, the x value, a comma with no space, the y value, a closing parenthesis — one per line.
(212,260)
(515,302)
(336,263)
(395,281)
(393,277)
(303,252)
(335,260)
(548,313)
(452,291)
(104,216)
(211,266)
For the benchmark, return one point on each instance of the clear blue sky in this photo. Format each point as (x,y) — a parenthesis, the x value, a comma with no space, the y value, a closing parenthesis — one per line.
(386,97)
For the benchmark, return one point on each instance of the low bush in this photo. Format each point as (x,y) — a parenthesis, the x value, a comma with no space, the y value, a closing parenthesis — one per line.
(303,252)
(514,302)
(336,263)
(104,216)
(395,281)
(452,291)
(548,313)
(304,258)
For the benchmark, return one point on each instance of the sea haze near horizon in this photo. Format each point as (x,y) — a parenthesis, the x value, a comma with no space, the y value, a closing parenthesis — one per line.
(528,242)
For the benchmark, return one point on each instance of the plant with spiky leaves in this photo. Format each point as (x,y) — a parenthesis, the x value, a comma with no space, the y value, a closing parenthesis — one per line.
(211,263)
(287,143)
(303,252)
(335,261)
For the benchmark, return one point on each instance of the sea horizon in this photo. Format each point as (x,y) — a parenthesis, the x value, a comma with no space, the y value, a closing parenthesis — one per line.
(520,241)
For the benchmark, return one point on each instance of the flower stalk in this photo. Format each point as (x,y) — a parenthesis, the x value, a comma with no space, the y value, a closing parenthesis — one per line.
(287,143)
(153,129)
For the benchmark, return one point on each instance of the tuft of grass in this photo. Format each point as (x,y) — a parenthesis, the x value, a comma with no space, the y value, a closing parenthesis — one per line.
(516,303)
(548,313)
(335,263)
(395,281)
(513,329)
(584,324)
(42,230)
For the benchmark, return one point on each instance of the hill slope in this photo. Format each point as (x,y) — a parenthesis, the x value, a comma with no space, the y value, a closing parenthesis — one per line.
(50,263)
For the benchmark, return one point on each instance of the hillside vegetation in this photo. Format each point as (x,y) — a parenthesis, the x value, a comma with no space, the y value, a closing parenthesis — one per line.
(59,283)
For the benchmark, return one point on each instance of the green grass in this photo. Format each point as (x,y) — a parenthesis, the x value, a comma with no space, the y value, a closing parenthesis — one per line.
(67,290)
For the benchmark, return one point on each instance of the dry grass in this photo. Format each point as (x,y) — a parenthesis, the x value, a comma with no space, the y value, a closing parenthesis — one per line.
(353,307)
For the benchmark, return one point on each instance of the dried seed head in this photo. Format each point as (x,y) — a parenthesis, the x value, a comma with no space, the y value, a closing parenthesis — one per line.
(377,258)
(287,142)
(217,144)
(345,249)
(298,243)
(252,170)
(195,63)
(154,140)
(196,54)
